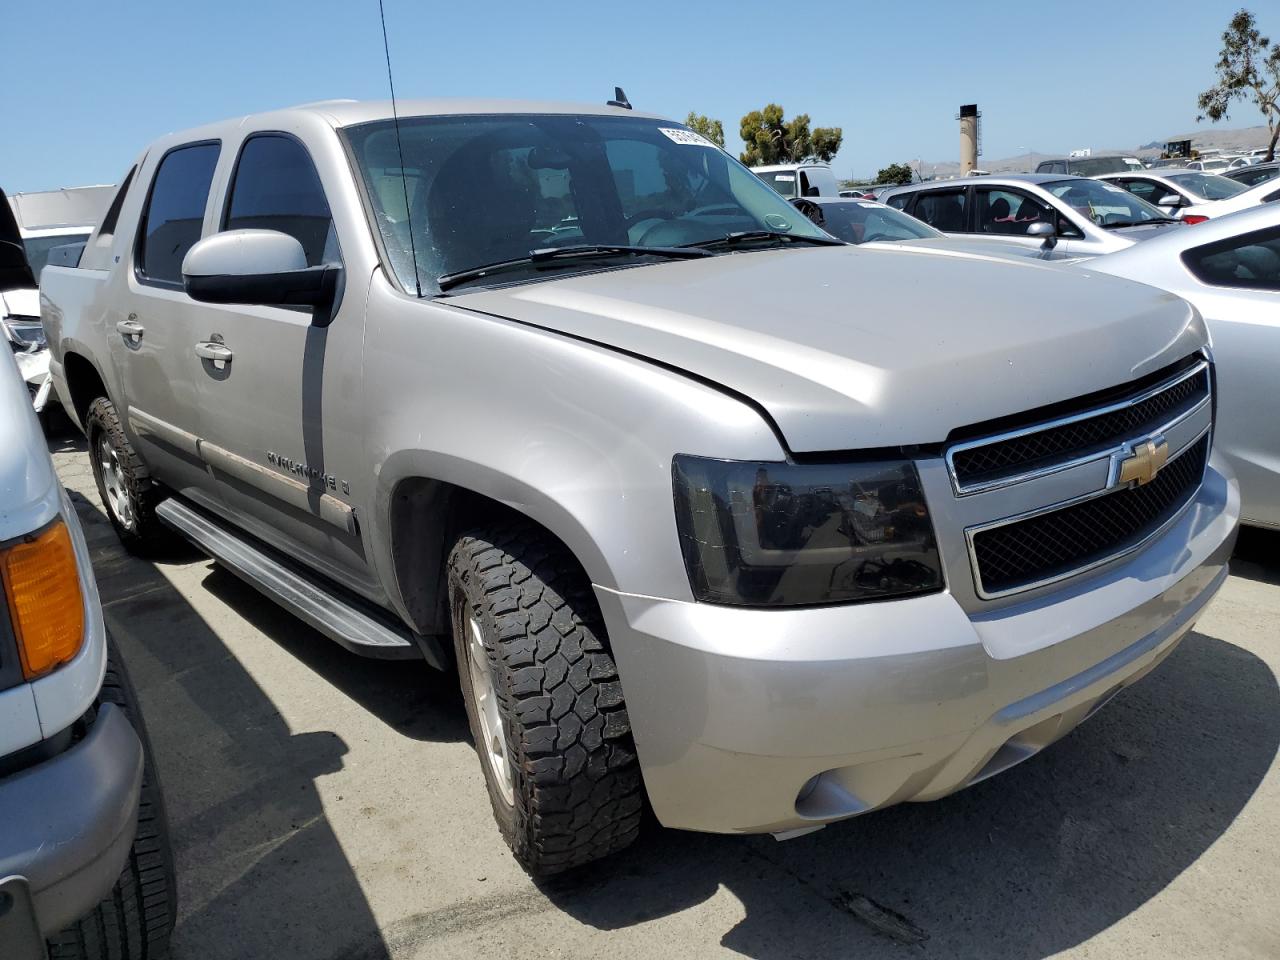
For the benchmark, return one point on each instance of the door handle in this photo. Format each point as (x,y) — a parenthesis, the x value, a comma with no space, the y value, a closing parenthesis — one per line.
(211,350)
(131,329)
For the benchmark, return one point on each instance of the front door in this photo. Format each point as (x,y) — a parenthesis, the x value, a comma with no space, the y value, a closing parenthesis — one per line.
(1006,214)
(280,389)
(150,335)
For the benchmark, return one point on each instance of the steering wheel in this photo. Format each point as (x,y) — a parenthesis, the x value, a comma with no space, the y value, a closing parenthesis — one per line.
(653,214)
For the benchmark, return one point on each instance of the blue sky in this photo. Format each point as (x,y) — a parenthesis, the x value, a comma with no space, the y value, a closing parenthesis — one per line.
(97,80)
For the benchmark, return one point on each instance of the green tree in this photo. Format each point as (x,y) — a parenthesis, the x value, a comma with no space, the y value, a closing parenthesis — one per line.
(897,173)
(770,138)
(713,130)
(1248,69)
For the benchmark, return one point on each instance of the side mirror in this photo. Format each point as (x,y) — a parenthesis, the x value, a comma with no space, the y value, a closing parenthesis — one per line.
(1171,201)
(262,267)
(1042,228)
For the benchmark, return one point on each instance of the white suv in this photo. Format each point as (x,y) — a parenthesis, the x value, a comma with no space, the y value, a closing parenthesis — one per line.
(85,865)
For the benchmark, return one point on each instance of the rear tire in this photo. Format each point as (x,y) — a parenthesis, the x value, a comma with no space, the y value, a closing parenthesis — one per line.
(553,734)
(124,484)
(135,920)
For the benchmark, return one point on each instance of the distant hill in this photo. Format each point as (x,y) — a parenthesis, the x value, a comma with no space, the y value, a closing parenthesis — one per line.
(1203,138)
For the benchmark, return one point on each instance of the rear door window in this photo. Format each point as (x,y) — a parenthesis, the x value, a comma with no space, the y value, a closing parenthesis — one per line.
(1008,212)
(942,209)
(174,217)
(276,187)
(1247,262)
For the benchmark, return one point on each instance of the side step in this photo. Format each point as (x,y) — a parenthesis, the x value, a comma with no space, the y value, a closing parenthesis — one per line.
(302,596)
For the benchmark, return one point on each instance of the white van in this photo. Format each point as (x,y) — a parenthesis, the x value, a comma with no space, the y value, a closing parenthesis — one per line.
(808,179)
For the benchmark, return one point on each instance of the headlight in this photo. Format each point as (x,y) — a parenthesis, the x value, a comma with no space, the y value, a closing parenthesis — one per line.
(23,332)
(784,534)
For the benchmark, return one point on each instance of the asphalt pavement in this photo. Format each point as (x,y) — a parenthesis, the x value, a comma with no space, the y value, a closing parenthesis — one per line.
(325,806)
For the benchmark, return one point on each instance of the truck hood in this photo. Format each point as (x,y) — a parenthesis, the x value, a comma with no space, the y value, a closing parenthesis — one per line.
(848,348)
(23,302)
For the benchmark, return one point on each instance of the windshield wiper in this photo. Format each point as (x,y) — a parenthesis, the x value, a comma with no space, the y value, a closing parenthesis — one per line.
(548,254)
(747,236)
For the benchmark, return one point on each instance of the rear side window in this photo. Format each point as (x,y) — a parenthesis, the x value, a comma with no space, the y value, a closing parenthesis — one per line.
(174,216)
(899,201)
(1248,262)
(276,187)
(942,209)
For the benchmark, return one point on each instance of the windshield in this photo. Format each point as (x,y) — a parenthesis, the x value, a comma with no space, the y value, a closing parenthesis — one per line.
(1103,203)
(38,248)
(488,189)
(856,222)
(1207,186)
(784,181)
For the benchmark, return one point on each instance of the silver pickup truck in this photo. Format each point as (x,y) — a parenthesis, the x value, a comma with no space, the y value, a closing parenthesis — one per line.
(704,506)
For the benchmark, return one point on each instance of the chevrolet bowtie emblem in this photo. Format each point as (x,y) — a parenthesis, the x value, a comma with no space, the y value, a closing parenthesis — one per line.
(1144,463)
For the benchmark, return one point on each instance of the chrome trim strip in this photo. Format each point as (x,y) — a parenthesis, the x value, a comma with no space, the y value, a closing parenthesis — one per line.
(972,531)
(293,492)
(964,490)
(147,425)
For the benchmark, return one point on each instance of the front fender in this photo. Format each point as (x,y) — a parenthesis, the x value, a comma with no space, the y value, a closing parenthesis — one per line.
(575,436)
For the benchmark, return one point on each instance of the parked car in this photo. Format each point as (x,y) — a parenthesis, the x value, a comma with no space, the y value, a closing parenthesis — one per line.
(85,864)
(1084,217)
(1089,166)
(1210,164)
(867,222)
(1230,270)
(808,179)
(1255,174)
(1266,192)
(1168,163)
(1177,190)
(616,482)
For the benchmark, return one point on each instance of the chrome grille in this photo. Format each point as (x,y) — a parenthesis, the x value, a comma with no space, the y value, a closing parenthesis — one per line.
(1044,547)
(994,461)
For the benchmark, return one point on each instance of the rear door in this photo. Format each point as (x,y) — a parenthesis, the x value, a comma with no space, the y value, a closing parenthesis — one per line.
(280,429)
(151,331)
(946,210)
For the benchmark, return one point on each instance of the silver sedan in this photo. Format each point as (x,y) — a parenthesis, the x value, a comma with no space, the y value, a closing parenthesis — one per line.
(1229,268)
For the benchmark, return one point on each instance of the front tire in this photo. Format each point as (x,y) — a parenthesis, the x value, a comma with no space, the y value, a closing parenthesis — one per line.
(543,699)
(135,920)
(124,484)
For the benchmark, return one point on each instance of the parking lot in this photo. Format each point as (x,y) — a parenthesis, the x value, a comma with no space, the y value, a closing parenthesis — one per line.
(325,805)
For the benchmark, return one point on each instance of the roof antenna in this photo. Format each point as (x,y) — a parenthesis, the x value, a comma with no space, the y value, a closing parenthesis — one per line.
(619,98)
(404,182)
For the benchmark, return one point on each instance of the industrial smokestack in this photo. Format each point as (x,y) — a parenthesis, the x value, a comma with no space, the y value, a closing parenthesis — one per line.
(969,116)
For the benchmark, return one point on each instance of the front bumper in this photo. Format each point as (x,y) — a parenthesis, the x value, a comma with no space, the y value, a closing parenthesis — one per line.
(69,822)
(751,721)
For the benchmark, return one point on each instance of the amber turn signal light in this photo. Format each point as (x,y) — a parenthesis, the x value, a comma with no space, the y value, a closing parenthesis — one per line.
(43,589)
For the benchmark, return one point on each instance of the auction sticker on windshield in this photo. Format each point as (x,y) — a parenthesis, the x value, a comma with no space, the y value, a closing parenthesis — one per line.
(687,137)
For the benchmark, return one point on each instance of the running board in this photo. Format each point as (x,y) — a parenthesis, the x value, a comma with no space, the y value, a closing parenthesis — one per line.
(300,595)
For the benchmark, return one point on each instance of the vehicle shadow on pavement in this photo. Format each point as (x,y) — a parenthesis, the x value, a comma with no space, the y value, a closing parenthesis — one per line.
(409,696)
(1257,555)
(1027,864)
(260,870)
